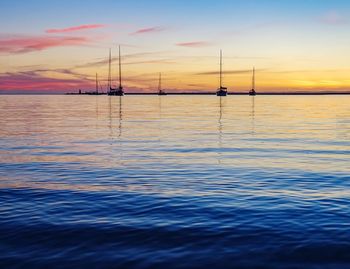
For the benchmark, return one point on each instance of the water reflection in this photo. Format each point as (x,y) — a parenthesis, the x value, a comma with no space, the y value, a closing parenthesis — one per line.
(97,114)
(220,127)
(115,115)
(110,118)
(252,115)
(118,111)
(159,118)
(115,190)
(190,129)
(120,118)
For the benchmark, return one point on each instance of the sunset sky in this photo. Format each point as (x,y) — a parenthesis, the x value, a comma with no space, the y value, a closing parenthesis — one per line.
(58,46)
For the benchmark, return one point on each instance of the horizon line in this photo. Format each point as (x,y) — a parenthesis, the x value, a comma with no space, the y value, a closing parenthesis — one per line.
(184,93)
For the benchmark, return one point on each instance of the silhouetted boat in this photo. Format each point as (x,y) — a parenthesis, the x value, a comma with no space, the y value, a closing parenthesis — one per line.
(160,91)
(252,92)
(115,91)
(222,91)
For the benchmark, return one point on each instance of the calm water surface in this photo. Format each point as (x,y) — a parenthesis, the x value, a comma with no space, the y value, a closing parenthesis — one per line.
(175,182)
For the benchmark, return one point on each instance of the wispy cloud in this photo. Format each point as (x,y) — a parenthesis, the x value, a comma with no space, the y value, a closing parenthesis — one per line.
(196,85)
(334,18)
(195,44)
(23,44)
(149,30)
(39,80)
(75,28)
(129,59)
(229,72)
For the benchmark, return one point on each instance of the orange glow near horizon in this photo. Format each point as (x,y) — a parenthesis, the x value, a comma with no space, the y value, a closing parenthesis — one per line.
(186,73)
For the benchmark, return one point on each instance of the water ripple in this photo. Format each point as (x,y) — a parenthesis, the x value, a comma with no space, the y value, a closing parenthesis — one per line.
(174,182)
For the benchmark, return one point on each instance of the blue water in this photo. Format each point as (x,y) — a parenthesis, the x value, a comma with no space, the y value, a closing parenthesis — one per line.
(175,182)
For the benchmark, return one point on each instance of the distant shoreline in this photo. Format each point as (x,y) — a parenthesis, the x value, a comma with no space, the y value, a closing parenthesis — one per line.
(265,93)
(238,93)
(191,93)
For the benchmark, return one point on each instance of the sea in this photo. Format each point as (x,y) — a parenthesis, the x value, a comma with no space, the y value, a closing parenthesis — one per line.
(175,181)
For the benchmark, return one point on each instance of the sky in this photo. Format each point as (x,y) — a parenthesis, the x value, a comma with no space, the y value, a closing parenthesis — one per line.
(59,46)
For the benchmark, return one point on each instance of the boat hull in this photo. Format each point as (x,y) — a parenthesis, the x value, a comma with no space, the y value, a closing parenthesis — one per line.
(221,93)
(252,92)
(116,93)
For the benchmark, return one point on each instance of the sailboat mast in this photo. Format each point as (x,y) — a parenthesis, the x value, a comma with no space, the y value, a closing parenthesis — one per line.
(109,70)
(253,78)
(222,91)
(120,71)
(220,69)
(160,82)
(96,84)
(100,87)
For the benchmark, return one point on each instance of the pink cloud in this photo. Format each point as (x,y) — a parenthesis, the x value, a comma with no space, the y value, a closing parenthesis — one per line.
(36,43)
(75,28)
(195,44)
(35,80)
(148,30)
(334,18)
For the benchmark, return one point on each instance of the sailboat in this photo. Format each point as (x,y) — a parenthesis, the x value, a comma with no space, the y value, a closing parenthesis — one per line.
(96,89)
(160,91)
(252,92)
(222,91)
(115,91)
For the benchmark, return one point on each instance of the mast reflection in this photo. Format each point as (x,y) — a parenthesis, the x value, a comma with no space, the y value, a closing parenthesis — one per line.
(252,115)
(220,130)
(159,117)
(110,118)
(119,113)
(116,128)
(120,118)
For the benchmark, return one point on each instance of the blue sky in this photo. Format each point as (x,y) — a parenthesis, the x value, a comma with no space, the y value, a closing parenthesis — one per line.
(308,38)
(35,14)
